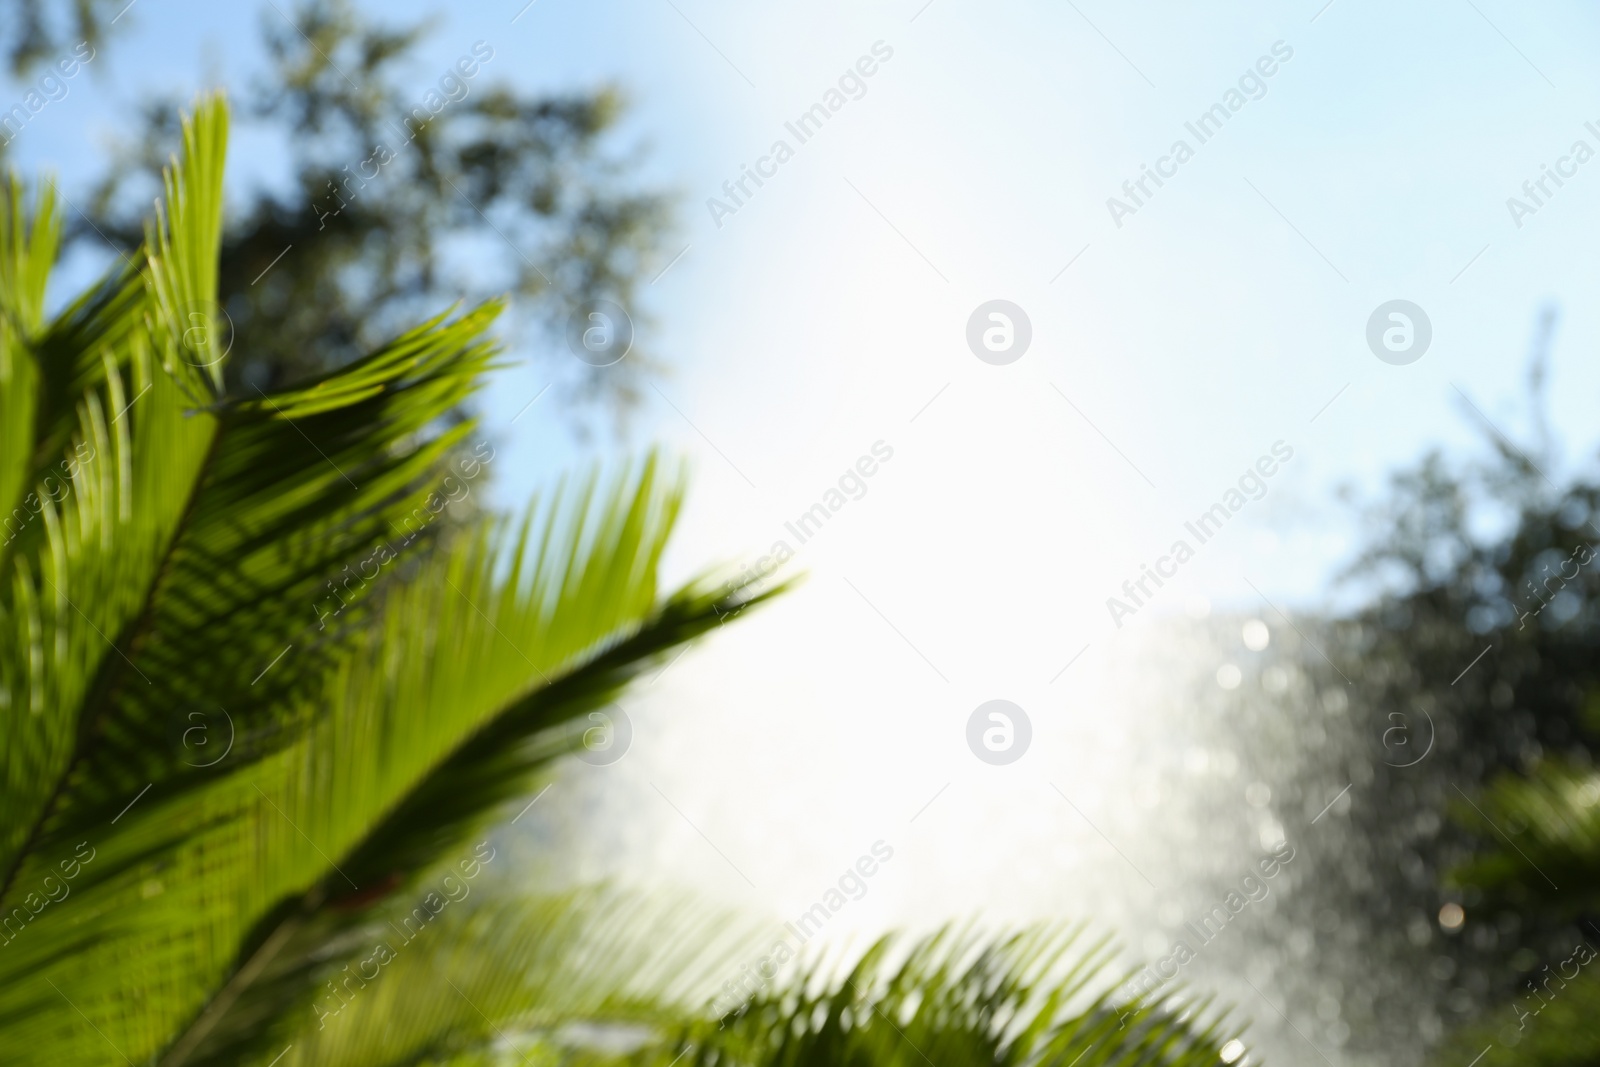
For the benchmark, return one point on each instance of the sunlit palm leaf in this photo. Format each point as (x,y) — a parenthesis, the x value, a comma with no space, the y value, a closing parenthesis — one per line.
(181,569)
(491,971)
(1035,998)
(460,695)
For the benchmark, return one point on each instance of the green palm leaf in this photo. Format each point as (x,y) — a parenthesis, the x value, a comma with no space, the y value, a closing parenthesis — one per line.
(460,696)
(189,565)
(500,971)
(952,998)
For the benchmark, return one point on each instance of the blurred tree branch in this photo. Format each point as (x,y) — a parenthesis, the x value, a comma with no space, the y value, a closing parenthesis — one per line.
(405,192)
(35,30)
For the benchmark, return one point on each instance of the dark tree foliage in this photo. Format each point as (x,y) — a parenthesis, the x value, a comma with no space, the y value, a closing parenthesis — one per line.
(411,188)
(32,31)
(1477,659)
(1474,657)
(1490,624)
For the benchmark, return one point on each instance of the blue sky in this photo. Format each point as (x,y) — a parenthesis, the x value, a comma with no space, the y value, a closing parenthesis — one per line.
(1376,166)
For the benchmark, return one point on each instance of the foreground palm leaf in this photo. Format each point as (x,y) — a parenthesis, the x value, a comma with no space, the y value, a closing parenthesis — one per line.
(252,569)
(1032,999)
(501,973)
(511,982)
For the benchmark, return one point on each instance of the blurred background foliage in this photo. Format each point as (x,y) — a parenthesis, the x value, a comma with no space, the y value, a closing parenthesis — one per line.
(407,193)
(1459,703)
(32,31)
(1486,646)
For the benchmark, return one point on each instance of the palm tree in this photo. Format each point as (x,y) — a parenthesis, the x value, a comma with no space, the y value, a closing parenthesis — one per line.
(1540,861)
(261,712)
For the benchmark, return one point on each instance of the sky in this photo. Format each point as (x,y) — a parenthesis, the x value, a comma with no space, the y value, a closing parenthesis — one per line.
(824,322)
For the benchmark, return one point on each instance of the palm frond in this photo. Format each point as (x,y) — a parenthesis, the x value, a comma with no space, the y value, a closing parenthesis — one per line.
(188,567)
(1033,998)
(1540,853)
(500,969)
(467,679)
(192,540)
(1541,836)
(30,236)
